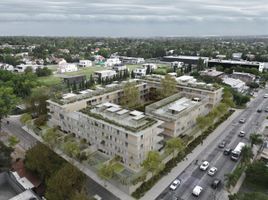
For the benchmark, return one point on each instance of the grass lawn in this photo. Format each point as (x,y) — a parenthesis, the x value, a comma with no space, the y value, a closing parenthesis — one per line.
(50,80)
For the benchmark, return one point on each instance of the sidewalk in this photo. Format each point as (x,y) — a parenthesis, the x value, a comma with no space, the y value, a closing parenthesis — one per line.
(158,188)
(114,190)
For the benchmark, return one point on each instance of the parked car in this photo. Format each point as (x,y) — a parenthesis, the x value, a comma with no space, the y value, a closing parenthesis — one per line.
(204,165)
(266,109)
(242,121)
(175,184)
(215,183)
(222,144)
(197,190)
(212,171)
(265,96)
(227,151)
(242,134)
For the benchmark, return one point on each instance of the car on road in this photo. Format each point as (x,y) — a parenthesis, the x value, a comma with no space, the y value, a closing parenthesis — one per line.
(212,171)
(242,121)
(197,190)
(227,151)
(216,183)
(222,144)
(259,110)
(266,109)
(204,165)
(175,184)
(242,134)
(265,96)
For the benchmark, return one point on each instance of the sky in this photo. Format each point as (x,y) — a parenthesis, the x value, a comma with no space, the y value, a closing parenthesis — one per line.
(133,18)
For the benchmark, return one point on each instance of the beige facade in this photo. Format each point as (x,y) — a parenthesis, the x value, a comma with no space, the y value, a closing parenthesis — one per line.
(179,113)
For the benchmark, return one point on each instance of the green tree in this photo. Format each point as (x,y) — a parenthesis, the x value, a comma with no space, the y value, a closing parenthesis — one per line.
(106,172)
(257,172)
(37,102)
(246,155)
(25,117)
(153,162)
(168,86)
(131,96)
(7,102)
(5,156)
(71,148)
(255,139)
(174,145)
(203,121)
(50,137)
(80,195)
(12,141)
(231,179)
(64,184)
(43,161)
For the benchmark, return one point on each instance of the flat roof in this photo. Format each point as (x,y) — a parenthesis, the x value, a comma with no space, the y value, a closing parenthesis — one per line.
(26,195)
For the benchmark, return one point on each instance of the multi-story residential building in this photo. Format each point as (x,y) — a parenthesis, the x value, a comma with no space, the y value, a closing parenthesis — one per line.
(112,61)
(189,85)
(119,67)
(104,74)
(85,63)
(151,66)
(115,131)
(140,72)
(179,113)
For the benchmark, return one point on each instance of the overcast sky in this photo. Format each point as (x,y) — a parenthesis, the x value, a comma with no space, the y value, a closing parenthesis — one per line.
(133,17)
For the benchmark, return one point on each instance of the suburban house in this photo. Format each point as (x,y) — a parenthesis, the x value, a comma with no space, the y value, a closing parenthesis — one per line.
(85,63)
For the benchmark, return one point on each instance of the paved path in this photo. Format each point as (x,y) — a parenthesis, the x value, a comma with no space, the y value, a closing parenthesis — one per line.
(164,182)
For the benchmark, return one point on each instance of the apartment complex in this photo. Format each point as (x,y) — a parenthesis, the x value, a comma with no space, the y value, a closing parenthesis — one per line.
(179,113)
(115,131)
(96,116)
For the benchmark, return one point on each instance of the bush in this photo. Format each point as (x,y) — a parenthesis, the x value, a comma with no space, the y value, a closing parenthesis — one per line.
(25,117)
(41,120)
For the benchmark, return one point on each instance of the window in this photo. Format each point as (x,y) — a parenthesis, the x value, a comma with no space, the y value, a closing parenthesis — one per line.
(126,135)
(126,144)
(141,136)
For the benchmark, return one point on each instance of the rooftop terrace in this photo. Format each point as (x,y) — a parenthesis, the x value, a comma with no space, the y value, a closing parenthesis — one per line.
(131,120)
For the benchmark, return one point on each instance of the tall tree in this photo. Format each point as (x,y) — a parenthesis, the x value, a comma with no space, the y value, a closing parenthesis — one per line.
(7,102)
(168,86)
(64,183)
(174,145)
(106,172)
(246,155)
(131,96)
(5,156)
(80,195)
(153,162)
(255,139)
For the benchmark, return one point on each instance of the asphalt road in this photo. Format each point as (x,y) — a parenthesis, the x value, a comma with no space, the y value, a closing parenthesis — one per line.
(193,176)
(27,141)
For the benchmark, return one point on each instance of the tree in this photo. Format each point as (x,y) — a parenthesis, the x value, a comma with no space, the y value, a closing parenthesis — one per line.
(153,162)
(43,161)
(246,155)
(174,145)
(106,172)
(203,121)
(7,102)
(168,86)
(36,104)
(80,195)
(257,172)
(43,72)
(64,183)
(5,156)
(248,196)
(231,179)
(131,96)
(50,137)
(255,139)
(25,117)
(12,141)
(71,148)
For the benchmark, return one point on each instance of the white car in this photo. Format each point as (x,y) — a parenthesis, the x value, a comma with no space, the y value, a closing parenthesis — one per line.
(212,171)
(197,190)
(175,184)
(242,134)
(265,96)
(204,165)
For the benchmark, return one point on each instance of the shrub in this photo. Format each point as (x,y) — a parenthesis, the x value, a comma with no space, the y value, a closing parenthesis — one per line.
(25,117)
(41,120)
